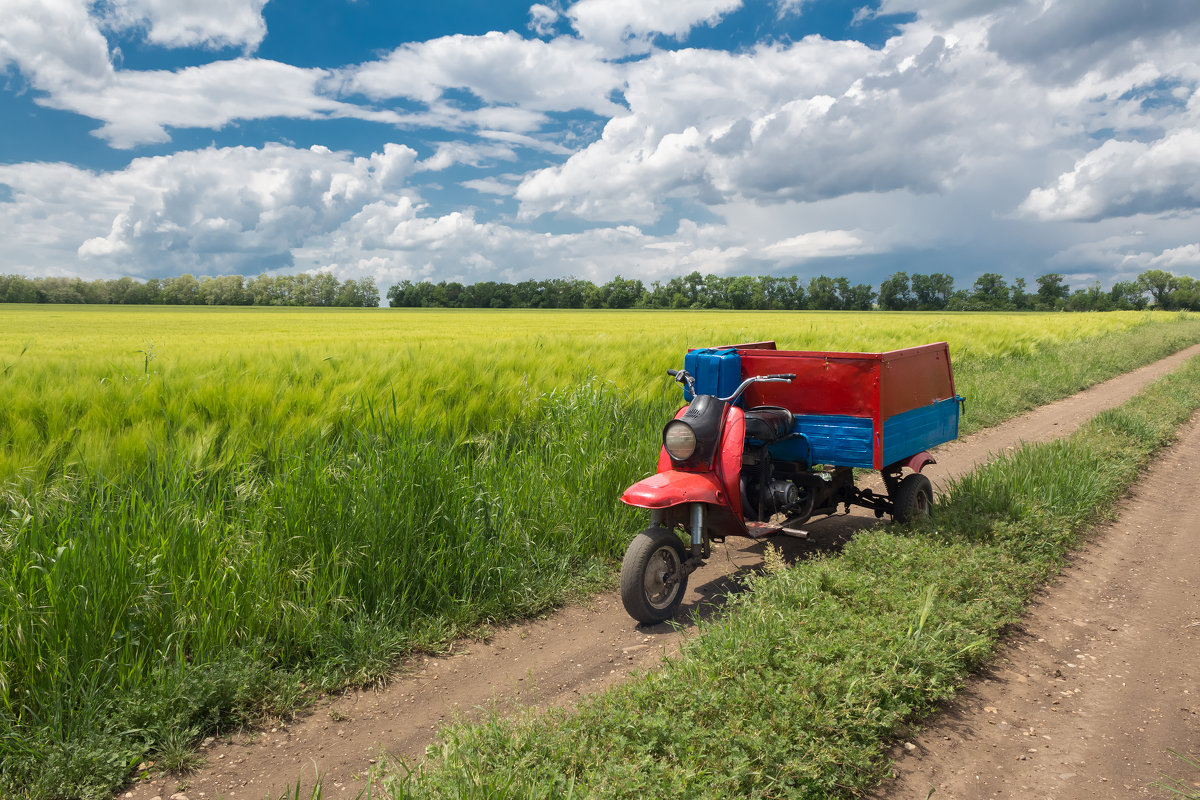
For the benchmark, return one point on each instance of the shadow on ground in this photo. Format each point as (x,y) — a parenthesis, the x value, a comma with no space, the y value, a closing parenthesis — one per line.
(739,558)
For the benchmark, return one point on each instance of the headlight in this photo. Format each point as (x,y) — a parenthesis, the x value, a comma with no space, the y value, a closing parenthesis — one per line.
(680,440)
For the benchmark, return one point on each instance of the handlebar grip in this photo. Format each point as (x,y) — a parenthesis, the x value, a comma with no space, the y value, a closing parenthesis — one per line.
(672,372)
(789,377)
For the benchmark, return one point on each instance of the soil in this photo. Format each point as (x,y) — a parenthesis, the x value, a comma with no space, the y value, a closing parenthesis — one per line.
(1086,699)
(1097,687)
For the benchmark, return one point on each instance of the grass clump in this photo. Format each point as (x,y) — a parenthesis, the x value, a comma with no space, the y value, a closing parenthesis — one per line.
(202,601)
(1178,788)
(797,691)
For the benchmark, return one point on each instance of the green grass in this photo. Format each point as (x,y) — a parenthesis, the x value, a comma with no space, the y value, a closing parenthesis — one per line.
(1181,789)
(267,503)
(797,691)
(111,389)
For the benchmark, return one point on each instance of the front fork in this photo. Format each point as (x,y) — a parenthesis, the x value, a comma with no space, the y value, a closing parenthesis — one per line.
(700,546)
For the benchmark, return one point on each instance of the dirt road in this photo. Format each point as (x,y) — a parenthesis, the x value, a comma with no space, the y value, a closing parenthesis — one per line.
(1102,681)
(580,650)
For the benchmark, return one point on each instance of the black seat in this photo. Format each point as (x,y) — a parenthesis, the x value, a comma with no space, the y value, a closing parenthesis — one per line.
(768,423)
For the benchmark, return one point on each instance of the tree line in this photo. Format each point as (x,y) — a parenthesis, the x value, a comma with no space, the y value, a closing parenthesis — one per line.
(900,292)
(687,291)
(322,289)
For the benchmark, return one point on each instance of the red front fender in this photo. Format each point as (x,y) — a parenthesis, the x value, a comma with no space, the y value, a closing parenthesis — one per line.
(672,488)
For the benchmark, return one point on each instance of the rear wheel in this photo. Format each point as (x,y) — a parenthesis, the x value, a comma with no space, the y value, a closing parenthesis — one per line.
(653,580)
(913,499)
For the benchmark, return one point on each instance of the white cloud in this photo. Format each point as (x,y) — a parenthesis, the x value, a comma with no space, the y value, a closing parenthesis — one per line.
(501,69)
(186,23)
(785,8)
(1066,39)
(60,49)
(58,44)
(542,19)
(629,26)
(490,186)
(449,154)
(947,11)
(1125,178)
(530,142)
(206,212)
(818,244)
(138,106)
(53,42)
(813,120)
(400,244)
(245,210)
(1122,253)
(1180,260)
(1063,41)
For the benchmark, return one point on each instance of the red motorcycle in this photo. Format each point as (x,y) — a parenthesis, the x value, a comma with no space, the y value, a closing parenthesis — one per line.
(813,418)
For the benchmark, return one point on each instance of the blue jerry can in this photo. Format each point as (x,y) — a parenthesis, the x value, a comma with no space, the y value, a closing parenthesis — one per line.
(717,372)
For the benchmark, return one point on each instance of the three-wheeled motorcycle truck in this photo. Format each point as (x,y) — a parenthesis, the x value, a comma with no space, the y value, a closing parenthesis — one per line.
(770,438)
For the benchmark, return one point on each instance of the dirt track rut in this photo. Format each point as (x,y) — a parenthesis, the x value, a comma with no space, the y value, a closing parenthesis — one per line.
(1088,699)
(576,651)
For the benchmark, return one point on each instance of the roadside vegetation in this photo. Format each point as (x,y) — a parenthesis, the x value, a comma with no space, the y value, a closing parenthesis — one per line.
(1176,787)
(209,515)
(800,687)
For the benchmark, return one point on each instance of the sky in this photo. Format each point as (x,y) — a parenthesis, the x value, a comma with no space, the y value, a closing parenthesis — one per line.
(474,140)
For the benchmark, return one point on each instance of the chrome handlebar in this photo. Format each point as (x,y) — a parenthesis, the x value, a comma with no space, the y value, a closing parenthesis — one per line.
(733,398)
(682,376)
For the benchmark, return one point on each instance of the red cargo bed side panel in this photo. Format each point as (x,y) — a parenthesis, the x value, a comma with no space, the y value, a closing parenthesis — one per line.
(826,383)
(914,377)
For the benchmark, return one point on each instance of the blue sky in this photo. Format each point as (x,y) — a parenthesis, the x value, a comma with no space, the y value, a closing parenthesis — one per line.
(469,140)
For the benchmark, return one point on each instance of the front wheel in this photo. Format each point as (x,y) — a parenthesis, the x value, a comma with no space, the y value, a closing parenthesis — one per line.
(913,500)
(653,580)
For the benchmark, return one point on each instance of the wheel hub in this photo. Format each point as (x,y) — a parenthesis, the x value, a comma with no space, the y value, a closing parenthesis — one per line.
(662,582)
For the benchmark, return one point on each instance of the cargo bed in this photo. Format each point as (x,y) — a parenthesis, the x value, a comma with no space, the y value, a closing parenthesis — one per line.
(868,410)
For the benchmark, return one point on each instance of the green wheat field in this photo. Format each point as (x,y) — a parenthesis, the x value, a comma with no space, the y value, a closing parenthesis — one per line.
(207,515)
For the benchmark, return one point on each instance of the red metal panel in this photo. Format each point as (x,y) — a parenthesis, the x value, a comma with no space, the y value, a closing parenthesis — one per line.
(826,383)
(920,461)
(729,459)
(877,421)
(672,488)
(769,345)
(915,377)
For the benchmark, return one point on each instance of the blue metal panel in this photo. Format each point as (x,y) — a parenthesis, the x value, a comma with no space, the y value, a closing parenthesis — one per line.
(797,448)
(910,432)
(833,439)
(717,372)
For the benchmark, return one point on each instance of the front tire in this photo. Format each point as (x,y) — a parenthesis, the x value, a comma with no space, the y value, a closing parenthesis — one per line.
(653,580)
(913,500)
